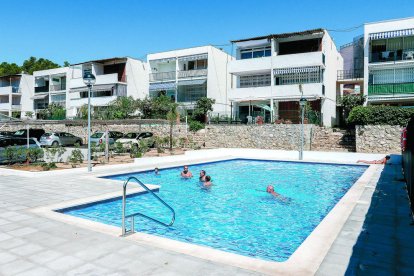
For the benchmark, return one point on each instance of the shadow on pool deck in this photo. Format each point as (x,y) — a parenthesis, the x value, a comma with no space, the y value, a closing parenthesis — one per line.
(382,230)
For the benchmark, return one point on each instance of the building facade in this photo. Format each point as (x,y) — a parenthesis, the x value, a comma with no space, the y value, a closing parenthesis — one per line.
(271,73)
(15,91)
(186,75)
(389,62)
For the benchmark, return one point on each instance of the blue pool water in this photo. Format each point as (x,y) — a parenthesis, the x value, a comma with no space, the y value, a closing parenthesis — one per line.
(236,214)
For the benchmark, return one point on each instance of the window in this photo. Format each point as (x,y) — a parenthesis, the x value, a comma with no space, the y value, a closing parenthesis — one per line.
(191,93)
(201,64)
(191,65)
(255,81)
(388,76)
(300,46)
(107,93)
(304,76)
(255,52)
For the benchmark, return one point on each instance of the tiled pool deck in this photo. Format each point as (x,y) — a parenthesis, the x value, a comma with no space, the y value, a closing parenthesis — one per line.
(31,244)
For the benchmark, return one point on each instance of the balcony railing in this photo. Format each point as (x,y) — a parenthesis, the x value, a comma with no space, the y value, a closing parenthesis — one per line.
(391,89)
(192,73)
(350,74)
(162,76)
(57,87)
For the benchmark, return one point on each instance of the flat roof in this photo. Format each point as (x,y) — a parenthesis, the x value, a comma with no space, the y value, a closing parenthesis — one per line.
(114,59)
(389,20)
(282,35)
(12,75)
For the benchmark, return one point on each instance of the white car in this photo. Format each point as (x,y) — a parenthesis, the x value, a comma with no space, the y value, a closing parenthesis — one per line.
(132,139)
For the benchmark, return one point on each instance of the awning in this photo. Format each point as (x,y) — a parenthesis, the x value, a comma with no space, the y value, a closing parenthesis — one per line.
(283,71)
(38,97)
(192,82)
(253,43)
(391,34)
(95,88)
(193,57)
(162,86)
(276,99)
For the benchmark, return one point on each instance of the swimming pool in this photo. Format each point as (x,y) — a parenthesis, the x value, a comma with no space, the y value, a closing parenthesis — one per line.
(236,215)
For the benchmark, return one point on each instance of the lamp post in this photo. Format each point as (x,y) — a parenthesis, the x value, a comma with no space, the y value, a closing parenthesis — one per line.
(302,103)
(89,80)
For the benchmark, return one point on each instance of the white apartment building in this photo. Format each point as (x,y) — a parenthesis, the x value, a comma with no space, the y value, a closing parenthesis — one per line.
(389,62)
(186,75)
(268,70)
(15,91)
(115,77)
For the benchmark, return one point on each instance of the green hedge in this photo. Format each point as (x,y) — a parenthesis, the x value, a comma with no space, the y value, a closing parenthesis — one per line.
(380,115)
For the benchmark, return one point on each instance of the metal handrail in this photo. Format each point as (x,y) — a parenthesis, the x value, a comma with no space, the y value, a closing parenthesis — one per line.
(132,216)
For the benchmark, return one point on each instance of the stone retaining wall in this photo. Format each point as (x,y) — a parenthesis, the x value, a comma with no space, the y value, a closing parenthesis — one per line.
(370,139)
(378,139)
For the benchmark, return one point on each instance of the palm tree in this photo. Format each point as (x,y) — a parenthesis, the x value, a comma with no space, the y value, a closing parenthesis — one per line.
(172,116)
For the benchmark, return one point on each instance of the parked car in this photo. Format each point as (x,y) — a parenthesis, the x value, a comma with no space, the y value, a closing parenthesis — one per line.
(55,139)
(132,139)
(6,133)
(17,142)
(33,133)
(99,137)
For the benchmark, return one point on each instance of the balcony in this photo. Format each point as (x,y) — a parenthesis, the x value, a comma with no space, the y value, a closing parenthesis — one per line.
(57,87)
(100,79)
(392,56)
(278,91)
(5,90)
(192,73)
(95,101)
(162,76)
(350,74)
(5,106)
(391,89)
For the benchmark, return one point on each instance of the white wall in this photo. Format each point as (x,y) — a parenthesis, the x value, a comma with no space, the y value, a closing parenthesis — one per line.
(333,63)
(137,78)
(27,90)
(218,79)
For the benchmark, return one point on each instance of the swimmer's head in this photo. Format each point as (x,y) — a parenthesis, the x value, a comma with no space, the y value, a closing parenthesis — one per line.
(270,189)
(208,178)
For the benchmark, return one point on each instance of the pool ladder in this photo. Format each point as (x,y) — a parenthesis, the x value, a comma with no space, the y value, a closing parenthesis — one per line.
(132,216)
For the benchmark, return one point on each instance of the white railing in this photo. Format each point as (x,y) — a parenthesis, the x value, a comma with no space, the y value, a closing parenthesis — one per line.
(162,76)
(5,106)
(57,87)
(5,90)
(192,73)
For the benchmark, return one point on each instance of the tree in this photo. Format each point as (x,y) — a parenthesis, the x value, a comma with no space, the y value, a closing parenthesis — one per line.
(350,101)
(155,108)
(33,64)
(172,116)
(66,63)
(123,107)
(202,107)
(9,69)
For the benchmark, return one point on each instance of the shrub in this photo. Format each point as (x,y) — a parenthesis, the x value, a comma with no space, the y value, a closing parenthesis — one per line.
(11,154)
(119,148)
(380,115)
(48,166)
(195,126)
(34,154)
(76,157)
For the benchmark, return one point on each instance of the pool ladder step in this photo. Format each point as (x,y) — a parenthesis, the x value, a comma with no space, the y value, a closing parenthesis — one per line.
(132,216)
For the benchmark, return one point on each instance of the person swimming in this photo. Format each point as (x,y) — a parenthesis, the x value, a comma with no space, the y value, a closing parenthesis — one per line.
(207,183)
(186,173)
(202,177)
(271,190)
(156,171)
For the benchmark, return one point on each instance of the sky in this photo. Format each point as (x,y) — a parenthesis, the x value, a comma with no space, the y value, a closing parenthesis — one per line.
(77,31)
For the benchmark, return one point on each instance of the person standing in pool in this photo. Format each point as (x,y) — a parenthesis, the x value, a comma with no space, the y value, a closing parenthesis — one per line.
(186,173)
(207,183)
(156,171)
(202,177)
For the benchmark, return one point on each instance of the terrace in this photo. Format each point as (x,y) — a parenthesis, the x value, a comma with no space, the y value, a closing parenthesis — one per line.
(370,235)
